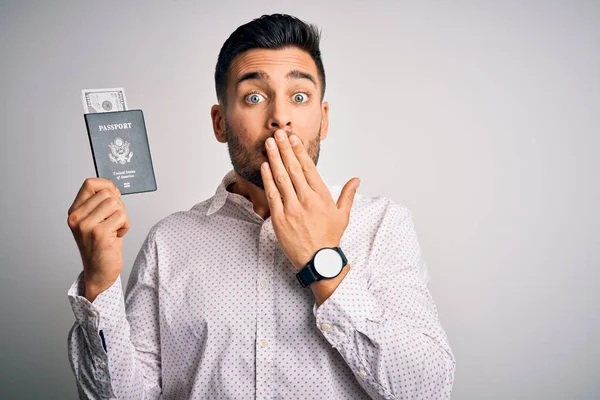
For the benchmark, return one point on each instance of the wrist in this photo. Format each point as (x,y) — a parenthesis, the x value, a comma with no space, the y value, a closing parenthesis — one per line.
(93,287)
(323,289)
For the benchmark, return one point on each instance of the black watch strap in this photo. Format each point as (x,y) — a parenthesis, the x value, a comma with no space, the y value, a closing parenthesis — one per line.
(306,275)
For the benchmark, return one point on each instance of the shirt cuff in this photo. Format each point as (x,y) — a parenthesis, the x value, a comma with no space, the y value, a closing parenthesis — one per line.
(103,312)
(349,308)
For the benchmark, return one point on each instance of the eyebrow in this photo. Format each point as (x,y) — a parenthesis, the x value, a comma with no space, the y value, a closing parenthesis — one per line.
(262,75)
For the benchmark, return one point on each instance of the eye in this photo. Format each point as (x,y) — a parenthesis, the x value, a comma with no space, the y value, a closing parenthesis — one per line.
(299,96)
(254,98)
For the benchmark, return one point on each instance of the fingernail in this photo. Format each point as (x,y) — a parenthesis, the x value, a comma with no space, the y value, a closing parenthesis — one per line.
(280,135)
(270,143)
(294,139)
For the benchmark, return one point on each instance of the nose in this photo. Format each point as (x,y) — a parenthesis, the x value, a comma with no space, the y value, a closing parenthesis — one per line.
(280,115)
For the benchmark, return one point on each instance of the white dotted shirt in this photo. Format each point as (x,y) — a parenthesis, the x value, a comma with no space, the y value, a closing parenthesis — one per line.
(213,310)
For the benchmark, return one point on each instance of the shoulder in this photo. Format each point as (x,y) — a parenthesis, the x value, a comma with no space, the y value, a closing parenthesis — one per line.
(180,222)
(375,208)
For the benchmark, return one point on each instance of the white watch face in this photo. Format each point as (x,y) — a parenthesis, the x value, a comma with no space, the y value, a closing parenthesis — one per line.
(328,263)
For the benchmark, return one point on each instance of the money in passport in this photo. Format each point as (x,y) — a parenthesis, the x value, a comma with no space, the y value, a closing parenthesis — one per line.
(103,100)
(120,149)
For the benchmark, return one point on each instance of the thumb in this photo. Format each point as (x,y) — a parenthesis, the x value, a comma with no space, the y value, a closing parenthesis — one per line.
(347,195)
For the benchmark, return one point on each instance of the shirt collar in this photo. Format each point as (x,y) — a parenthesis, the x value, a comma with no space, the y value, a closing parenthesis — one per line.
(221,194)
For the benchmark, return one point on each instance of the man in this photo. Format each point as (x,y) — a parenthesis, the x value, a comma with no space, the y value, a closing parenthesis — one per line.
(278,286)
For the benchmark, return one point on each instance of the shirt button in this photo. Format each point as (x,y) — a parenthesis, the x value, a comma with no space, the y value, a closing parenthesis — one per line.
(362,374)
(236,200)
(102,365)
(264,343)
(267,227)
(326,327)
(264,283)
(92,313)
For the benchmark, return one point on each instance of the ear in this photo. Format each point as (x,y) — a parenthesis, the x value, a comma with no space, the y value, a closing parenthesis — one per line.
(218,121)
(324,119)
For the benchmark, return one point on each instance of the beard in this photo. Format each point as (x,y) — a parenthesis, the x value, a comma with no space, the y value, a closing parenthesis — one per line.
(247,158)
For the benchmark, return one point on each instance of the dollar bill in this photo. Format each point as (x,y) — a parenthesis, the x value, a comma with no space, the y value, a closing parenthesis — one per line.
(103,100)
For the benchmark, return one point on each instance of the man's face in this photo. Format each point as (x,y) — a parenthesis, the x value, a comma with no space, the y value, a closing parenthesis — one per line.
(269,90)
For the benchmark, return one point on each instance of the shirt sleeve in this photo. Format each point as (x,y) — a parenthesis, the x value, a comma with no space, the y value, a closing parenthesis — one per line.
(109,358)
(384,322)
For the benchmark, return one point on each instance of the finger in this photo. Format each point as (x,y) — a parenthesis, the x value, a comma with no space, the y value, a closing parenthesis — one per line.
(88,206)
(279,174)
(293,167)
(104,210)
(90,187)
(118,221)
(309,169)
(346,198)
(271,191)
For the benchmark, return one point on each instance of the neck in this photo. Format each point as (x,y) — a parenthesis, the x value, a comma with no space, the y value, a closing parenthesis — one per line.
(253,193)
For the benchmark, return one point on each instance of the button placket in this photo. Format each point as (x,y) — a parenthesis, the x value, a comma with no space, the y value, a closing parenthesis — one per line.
(325,327)
(265,320)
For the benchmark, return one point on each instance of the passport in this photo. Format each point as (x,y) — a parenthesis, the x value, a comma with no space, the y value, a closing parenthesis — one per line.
(121,150)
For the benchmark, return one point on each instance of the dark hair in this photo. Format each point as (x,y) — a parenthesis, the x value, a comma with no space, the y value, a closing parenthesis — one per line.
(274,31)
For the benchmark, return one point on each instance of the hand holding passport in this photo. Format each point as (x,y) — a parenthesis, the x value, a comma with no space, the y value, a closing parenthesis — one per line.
(118,141)
(98,218)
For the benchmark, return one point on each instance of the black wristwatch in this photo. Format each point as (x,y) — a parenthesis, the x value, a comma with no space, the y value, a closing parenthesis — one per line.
(327,263)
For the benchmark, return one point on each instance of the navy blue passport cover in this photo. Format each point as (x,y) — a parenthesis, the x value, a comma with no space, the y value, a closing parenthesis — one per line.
(121,150)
